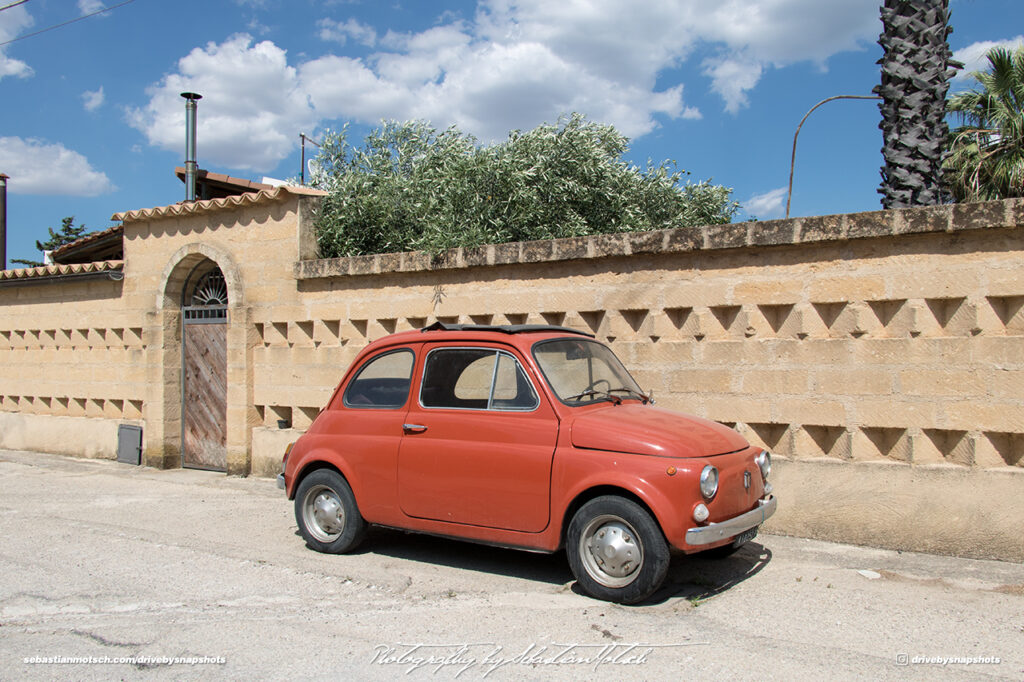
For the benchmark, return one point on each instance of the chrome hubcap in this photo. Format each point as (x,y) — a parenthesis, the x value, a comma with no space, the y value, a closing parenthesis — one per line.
(325,517)
(611,551)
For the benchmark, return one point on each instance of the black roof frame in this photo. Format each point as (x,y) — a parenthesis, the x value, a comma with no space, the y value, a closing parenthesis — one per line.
(502,328)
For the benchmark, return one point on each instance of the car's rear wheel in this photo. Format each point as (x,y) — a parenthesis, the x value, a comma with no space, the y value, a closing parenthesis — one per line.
(616,550)
(326,512)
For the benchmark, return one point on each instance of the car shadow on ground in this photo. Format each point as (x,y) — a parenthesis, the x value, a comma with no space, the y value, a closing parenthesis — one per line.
(545,568)
(691,577)
(698,578)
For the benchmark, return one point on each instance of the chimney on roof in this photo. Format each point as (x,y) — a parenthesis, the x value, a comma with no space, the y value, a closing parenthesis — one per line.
(3,221)
(191,167)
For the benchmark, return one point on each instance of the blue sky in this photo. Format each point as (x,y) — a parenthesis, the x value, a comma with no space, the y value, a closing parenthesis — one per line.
(92,124)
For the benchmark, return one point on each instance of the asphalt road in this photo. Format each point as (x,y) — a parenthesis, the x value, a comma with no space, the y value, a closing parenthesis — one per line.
(109,571)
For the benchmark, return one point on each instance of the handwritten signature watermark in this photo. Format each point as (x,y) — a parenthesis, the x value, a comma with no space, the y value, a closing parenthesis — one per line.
(488,657)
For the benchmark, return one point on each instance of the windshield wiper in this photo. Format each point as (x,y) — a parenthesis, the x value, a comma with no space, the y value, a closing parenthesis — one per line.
(605,395)
(636,394)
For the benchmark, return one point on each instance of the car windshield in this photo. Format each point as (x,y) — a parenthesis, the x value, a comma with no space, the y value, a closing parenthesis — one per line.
(581,371)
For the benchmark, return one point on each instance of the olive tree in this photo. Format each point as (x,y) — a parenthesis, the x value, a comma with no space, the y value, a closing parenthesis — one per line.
(412,187)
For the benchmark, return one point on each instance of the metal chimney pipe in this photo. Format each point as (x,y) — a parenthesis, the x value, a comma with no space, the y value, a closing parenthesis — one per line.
(3,221)
(191,167)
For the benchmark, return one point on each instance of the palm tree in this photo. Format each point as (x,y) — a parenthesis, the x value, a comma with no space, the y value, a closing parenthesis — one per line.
(916,68)
(986,153)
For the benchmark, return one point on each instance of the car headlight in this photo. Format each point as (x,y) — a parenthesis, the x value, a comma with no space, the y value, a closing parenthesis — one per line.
(709,482)
(764,463)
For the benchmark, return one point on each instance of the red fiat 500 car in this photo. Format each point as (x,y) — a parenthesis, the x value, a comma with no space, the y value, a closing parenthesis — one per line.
(523,436)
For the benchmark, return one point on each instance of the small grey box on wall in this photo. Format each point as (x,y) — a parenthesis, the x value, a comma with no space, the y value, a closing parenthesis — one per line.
(129,444)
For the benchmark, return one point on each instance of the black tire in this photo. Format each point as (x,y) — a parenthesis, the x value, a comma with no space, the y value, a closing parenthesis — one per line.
(327,514)
(635,556)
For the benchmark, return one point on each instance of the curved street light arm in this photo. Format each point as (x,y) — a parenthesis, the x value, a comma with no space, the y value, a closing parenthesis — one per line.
(792,160)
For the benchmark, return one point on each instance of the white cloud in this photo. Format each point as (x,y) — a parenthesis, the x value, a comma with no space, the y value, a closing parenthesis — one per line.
(340,32)
(975,55)
(767,205)
(90,6)
(251,112)
(747,36)
(39,167)
(732,78)
(93,99)
(13,23)
(515,64)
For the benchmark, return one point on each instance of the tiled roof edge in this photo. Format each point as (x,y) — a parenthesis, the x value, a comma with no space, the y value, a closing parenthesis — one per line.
(214,205)
(60,270)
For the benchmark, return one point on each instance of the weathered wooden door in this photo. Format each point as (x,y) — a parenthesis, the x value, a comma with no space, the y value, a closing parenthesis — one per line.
(204,378)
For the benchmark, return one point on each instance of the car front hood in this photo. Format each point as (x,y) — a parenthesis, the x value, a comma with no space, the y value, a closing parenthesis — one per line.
(646,430)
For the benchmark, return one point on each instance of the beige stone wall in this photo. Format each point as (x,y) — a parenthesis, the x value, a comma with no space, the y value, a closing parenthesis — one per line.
(74,353)
(879,355)
(902,344)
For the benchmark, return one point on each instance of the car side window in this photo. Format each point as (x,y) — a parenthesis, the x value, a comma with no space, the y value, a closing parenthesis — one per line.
(382,383)
(475,379)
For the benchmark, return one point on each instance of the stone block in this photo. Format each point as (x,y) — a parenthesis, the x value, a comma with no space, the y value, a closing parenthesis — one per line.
(685,239)
(775,381)
(570,248)
(646,242)
(822,228)
(537,251)
(696,380)
(869,224)
(505,254)
(924,219)
(729,236)
(894,413)
(944,382)
(769,291)
(734,408)
(807,410)
(608,245)
(855,381)
(976,415)
(846,289)
(980,215)
(773,232)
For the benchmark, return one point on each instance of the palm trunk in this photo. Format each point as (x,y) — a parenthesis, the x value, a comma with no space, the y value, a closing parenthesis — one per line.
(916,69)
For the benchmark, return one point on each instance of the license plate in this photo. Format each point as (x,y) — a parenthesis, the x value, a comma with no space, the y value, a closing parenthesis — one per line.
(745,537)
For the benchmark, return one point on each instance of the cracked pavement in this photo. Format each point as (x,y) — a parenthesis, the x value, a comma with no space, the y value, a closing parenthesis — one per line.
(104,560)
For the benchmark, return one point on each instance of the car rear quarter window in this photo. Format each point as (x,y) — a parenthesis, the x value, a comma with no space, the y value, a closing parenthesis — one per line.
(382,383)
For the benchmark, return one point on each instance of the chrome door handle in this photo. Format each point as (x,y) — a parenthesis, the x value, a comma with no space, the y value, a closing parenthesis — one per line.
(414,428)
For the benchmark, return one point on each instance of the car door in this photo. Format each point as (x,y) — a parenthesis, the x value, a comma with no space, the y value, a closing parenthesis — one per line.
(479,441)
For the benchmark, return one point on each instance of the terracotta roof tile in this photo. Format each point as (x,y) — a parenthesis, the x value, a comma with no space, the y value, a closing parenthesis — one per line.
(58,270)
(215,205)
(82,241)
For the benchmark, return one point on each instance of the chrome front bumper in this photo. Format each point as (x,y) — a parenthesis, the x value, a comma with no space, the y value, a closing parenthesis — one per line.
(280,481)
(714,532)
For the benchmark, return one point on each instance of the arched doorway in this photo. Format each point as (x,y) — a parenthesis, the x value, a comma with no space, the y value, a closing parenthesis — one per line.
(204,321)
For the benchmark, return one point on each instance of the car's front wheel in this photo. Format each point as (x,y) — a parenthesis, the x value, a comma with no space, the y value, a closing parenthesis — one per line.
(616,550)
(326,512)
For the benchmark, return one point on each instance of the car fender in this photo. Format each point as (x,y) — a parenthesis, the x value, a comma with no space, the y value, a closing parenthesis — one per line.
(607,481)
(315,459)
